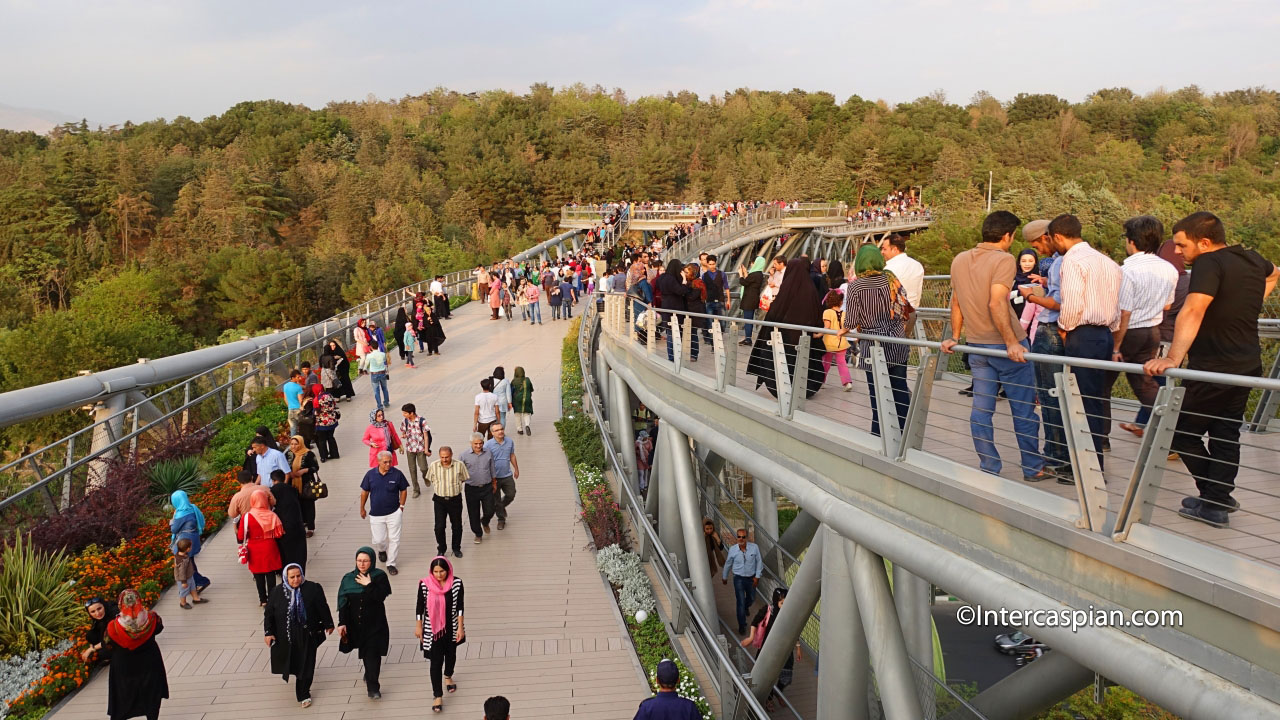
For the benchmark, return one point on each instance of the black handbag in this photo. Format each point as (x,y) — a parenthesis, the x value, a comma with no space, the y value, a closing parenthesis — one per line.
(314,489)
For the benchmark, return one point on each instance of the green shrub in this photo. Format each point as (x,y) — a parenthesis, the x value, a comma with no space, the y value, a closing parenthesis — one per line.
(236,431)
(579,435)
(37,606)
(169,476)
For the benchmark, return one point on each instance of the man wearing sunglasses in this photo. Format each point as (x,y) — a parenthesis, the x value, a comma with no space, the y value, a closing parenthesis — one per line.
(745,563)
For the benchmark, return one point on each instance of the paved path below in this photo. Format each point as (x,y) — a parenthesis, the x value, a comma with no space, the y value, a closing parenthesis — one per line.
(542,627)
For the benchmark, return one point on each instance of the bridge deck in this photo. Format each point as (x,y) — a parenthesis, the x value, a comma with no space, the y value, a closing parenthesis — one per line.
(542,626)
(1254,532)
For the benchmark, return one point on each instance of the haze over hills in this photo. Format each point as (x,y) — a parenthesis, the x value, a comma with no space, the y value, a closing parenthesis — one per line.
(35,120)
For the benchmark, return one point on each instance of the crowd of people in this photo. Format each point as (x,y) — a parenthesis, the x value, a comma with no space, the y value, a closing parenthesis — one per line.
(274,512)
(895,205)
(1148,311)
(1063,298)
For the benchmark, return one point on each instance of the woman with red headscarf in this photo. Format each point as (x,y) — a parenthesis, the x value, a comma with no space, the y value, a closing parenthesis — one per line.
(258,528)
(440,627)
(137,683)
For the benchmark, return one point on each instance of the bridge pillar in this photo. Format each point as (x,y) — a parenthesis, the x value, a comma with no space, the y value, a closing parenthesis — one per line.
(888,649)
(108,416)
(1030,691)
(911,599)
(764,508)
(669,530)
(802,598)
(620,412)
(691,520)
(844,671)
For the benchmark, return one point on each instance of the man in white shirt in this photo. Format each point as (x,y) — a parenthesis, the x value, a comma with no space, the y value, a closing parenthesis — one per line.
(486,412)
(1146,290)
(907,269)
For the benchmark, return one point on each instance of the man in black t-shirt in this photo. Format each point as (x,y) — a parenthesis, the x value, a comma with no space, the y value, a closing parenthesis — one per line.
(1216,331)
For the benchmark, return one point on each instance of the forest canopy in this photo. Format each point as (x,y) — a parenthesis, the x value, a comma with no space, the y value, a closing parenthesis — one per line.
(151,238)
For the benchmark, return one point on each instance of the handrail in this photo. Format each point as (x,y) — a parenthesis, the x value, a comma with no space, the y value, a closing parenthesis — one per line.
(633,503)
(1108,365)
(259,362)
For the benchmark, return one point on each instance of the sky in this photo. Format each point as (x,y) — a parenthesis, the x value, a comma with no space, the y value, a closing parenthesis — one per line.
(117,60)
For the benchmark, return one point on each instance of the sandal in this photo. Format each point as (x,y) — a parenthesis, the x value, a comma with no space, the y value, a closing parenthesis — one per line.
(438,706)
(451,686)
(201,601)
(306,703)
(184,606)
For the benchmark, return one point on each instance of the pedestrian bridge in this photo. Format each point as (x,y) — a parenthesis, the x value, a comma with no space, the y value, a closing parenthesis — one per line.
(792,215)
(1110,542)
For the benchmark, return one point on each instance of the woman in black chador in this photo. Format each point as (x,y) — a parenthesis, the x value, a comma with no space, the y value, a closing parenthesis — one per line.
(295,623)
(362,616)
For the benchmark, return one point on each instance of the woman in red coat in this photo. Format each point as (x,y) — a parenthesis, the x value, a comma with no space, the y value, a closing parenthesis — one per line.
(259,528)
(380,435)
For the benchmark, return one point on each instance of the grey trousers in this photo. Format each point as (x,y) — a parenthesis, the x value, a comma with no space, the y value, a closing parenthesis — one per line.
(417,461)
(503,496)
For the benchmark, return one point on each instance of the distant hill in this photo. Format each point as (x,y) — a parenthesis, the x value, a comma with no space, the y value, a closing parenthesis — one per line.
(40,121)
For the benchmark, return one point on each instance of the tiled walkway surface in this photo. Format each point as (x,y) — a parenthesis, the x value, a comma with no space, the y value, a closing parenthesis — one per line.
(542,628)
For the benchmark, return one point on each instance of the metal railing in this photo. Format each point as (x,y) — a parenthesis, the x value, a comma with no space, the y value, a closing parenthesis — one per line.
(712,637)
(1129,477)
(711,646)
(58,474)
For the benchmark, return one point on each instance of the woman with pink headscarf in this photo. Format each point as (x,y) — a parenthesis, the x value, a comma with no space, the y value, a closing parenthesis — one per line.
(440,629)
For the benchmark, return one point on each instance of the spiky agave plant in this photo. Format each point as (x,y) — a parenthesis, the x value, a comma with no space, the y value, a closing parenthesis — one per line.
(38,607)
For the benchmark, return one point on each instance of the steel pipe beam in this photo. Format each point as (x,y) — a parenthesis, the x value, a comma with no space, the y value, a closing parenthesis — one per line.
(802,598)
(1173,683)
(691,520)
(845,671)
(669,530)
(887,648)
(1032,690)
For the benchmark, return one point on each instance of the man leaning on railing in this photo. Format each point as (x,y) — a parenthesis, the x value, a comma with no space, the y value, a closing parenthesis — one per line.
(1217,331)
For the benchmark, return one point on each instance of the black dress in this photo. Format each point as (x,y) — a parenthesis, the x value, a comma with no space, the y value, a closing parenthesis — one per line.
(296,644)
(97,634)
(431,334)
(365,616)
(342,373)
(137,682)
(293,543)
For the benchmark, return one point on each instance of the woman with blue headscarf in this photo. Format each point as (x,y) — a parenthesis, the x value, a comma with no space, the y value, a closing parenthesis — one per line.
(295,623)
(187,522)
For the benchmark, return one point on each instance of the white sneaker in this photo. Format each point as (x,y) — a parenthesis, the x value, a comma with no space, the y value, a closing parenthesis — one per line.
(848,387)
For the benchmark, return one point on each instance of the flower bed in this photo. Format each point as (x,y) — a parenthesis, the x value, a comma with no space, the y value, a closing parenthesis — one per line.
(143,562)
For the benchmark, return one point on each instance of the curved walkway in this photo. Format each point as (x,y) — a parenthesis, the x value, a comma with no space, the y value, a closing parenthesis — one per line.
(542,627)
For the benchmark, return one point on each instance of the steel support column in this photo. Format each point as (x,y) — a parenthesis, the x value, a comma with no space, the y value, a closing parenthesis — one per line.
(799,533)
(108,417)
(669,530)
(911,599)
(764,508)
(691,520)
(796,611)
(888,649)
(844,673)
(1035,688)
(624,434)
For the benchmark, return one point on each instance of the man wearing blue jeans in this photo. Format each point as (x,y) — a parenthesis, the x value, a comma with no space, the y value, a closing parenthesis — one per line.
(717,289)
(745,563)
(1048,342)
(376,363)
(982,279)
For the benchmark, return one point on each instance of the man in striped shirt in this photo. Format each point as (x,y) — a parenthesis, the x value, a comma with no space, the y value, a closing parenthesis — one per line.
(447,477)
(1088,315)
(1146,292)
